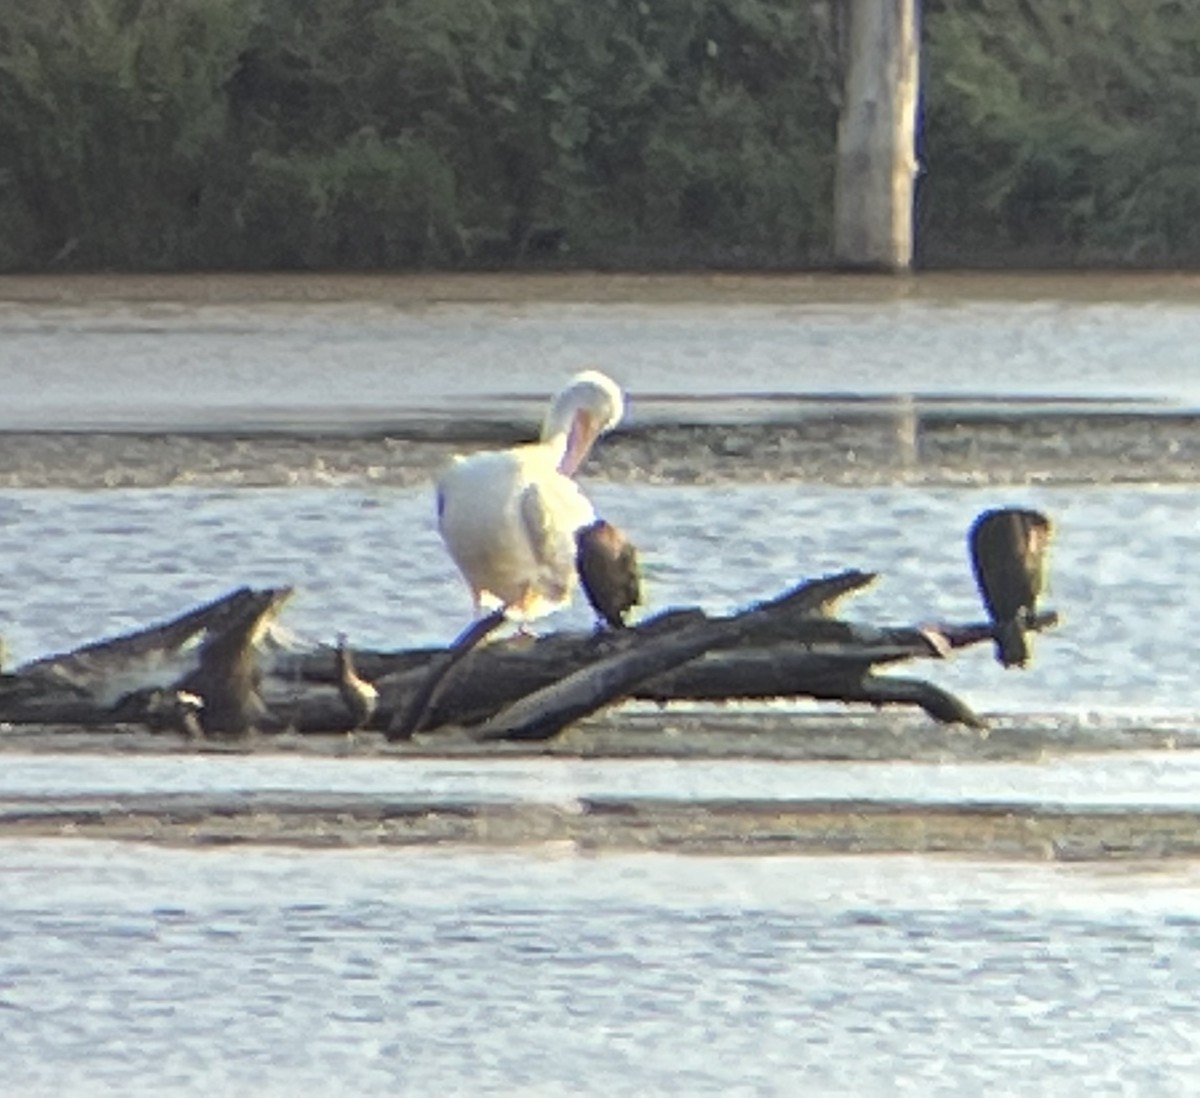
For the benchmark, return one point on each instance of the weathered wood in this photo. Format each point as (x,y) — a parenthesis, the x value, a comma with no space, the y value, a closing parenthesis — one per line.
(408,721)
(546,712)
(876,159)
(787,647)
(132,677)
(229,678)
(963,636)
(114,666)
(500,675)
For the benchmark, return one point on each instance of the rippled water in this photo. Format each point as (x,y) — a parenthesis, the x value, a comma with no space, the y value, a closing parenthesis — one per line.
(253,971)
(76,566)
(145,971)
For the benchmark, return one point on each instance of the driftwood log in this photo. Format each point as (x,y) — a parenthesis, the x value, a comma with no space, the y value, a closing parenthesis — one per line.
(219,670)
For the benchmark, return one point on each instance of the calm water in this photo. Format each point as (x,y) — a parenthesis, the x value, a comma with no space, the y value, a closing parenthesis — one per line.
(140,970)
(1127,779)
(216,354)
(145,971)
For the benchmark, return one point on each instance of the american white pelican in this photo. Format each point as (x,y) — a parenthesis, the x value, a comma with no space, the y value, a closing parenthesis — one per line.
(509,517)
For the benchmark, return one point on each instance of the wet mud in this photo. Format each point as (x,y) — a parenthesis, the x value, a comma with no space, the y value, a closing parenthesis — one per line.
(592,824)
(866,449)
(1020,829)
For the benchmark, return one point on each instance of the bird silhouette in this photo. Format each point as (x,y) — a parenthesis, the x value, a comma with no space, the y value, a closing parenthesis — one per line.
(607,563)
(1008,553)
(360,696)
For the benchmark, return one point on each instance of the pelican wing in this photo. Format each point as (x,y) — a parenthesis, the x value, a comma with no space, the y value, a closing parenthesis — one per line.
(508,519)
(537,519)
(551,510)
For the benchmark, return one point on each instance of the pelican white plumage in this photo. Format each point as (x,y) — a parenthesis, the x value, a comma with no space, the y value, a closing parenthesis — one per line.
(509,517)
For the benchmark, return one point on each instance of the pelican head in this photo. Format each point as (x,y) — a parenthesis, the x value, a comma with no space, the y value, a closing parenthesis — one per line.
(590,404)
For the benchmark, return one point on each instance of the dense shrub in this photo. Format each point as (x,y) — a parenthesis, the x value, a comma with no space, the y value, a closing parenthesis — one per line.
(160,134)
(1064,131)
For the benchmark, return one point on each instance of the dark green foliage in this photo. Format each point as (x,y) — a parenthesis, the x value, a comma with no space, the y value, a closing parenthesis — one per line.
(165,134)
(369,203)
(1064,131)
(396,133)
(112,114)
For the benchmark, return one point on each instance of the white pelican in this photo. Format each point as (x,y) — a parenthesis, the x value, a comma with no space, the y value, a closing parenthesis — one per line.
(509,517)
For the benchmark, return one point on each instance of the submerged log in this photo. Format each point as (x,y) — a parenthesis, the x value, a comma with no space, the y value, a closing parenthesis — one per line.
(411,719)
(520,688)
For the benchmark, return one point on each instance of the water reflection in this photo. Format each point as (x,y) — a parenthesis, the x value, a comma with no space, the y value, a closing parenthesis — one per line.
(194,351)
(1127,779)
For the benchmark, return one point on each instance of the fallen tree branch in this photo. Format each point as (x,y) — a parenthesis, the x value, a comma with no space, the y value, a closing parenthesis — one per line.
(409,721)
(790,646)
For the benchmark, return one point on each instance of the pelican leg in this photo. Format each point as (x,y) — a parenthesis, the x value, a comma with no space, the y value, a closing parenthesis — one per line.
(522,605)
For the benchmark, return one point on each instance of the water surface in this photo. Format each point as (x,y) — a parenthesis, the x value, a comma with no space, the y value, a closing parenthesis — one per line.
(1121,780)
(150,971)
(144,970)
(274,351)
(77,566)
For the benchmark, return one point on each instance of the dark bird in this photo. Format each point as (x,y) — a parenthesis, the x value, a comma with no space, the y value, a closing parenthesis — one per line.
(608,568)
(185,709)
(1008,552)
(162,709)
(360,696)
(228,681)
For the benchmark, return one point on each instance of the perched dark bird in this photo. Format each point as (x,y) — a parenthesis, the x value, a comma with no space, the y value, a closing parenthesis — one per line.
(228,680)
(185,708)
(1008,553)
(163,709)
(608,568)
(360,696)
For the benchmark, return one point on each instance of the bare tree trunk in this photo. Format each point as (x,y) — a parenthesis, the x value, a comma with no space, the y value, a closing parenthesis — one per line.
(876,158)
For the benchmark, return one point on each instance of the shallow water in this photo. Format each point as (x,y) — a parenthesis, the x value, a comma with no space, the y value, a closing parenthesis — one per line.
(1123,780)
(148,971)
(190,353)
(145,970)
(77,566)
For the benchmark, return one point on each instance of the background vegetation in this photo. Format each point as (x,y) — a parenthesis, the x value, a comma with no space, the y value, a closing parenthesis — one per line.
(183,134)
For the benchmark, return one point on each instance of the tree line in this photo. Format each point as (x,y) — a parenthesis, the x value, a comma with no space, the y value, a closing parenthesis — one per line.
(352,134)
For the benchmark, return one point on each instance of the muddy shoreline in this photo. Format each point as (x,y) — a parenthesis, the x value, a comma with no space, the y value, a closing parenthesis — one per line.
(689,733)
(1019,830)
(611,825)
(863,449)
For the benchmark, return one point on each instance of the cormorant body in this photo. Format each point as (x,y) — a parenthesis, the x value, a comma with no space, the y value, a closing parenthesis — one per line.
(1008,554)
(608,569)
